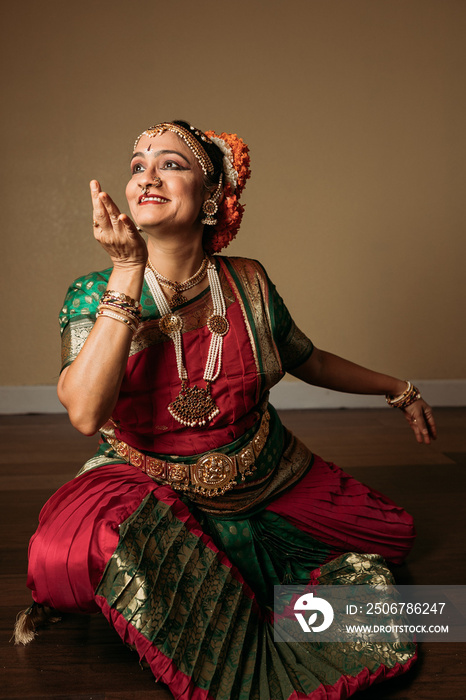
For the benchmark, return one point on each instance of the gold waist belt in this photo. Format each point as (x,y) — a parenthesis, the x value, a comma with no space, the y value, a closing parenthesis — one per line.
(212,474)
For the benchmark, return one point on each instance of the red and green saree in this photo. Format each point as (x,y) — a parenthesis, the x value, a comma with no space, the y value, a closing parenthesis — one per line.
(185,578)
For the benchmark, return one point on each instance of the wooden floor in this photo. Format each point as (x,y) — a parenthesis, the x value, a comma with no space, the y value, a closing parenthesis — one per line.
(82,657)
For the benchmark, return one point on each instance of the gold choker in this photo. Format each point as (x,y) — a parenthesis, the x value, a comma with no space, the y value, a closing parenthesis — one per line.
(179,287)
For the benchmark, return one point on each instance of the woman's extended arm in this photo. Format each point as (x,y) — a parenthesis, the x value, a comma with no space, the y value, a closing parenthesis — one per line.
(89,387)
(333,372)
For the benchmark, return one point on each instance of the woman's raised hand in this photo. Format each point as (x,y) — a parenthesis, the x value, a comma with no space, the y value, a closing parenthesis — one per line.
(90,385)
(116,233)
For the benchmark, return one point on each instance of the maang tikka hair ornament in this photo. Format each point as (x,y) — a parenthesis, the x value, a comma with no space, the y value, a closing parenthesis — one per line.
(192,143)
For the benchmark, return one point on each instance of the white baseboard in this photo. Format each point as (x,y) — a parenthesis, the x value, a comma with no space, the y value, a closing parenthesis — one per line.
(29,399)
(286,395)
(297,395)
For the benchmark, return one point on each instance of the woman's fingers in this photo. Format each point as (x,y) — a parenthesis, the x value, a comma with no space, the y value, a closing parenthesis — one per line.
(107,224)
(129,226)
(135,242)
(415,426)
(421,419)
(99,211)
(111,208)
(95,189)
(115,231)
(105,211)
(429,416)
(420,431)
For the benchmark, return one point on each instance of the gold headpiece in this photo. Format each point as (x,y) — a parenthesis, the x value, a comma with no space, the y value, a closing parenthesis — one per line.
(194,145)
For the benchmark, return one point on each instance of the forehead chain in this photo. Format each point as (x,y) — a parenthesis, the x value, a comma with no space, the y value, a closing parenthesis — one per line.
(192,143)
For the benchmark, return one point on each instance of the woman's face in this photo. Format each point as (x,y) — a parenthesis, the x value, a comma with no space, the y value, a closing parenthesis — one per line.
(176,202)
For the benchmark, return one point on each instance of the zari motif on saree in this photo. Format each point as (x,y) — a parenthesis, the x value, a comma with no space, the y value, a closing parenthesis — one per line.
(198,623)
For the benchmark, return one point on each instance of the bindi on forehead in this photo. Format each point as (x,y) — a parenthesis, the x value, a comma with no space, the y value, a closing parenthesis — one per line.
(165,151)
(172,146)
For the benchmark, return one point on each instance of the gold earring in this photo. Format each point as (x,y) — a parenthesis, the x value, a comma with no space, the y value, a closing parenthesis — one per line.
(210,206)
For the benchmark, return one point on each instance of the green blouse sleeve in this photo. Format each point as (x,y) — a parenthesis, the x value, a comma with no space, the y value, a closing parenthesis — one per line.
(293,345)
(78,313)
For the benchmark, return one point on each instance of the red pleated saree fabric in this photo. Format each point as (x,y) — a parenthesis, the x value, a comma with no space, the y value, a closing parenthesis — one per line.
(113,540)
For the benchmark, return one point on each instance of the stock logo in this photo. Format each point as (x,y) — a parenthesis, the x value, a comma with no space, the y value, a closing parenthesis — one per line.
(310,604)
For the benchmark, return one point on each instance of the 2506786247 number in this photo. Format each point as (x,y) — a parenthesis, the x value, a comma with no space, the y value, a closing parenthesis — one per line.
(400,608)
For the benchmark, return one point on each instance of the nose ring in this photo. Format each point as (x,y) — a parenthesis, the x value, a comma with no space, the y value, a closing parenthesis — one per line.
(145,188)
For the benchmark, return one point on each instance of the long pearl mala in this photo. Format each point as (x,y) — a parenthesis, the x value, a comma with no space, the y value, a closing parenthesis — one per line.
(194,406)
(217,324)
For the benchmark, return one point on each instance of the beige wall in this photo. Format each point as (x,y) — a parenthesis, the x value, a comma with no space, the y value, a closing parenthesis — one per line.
(355,115)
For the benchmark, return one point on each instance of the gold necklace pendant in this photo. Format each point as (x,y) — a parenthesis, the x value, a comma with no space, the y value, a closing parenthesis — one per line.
(170,323)
(194,406)
(177,299)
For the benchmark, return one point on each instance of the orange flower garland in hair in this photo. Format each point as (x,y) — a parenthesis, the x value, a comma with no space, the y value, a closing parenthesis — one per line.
(230,211)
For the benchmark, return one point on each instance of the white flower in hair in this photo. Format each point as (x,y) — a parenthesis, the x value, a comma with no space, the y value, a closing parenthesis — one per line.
(231,176)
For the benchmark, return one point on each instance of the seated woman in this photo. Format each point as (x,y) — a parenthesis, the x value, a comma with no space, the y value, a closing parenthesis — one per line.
(198,500)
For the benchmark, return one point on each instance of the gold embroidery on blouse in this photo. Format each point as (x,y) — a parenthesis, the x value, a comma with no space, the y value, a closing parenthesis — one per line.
(255,287)
(73,338)
(294,347)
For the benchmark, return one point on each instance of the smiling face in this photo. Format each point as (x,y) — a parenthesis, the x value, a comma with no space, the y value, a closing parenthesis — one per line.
(174,200)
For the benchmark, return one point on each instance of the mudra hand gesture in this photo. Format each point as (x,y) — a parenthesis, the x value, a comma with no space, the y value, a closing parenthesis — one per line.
(116,233)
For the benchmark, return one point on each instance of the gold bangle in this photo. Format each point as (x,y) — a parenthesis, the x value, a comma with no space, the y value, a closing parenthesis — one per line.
(394,399)
(117,317)
(110,293)
(125,311)
(122,300)
(409,396)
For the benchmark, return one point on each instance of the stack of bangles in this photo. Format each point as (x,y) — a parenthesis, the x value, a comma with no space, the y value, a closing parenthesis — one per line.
(405,399)
(120,307)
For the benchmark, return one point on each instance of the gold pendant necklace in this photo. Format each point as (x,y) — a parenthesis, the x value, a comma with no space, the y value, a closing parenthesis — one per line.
(194,406)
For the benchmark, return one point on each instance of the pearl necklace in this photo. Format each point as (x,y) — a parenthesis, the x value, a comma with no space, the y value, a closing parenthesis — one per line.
(194,406)
(179,287)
